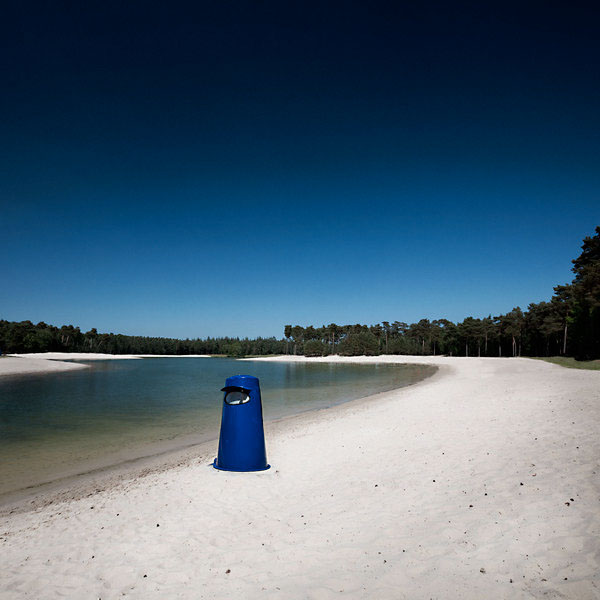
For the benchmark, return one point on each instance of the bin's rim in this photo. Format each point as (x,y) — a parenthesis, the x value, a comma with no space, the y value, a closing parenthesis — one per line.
(216,466)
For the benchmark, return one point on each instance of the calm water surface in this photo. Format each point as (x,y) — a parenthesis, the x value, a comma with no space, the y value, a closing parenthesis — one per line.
(60,424)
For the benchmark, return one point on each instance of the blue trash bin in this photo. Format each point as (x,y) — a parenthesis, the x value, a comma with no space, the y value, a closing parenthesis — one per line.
(242,437)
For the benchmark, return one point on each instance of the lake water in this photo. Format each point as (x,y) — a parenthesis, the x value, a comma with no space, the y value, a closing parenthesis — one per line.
(61,424)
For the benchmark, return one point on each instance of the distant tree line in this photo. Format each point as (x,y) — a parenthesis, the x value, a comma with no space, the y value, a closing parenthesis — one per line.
(27,337)
(568,324)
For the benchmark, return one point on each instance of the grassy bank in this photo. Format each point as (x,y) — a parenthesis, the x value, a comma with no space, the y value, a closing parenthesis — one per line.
(571,363)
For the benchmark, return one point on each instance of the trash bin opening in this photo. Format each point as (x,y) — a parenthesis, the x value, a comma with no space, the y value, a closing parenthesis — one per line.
(237,398)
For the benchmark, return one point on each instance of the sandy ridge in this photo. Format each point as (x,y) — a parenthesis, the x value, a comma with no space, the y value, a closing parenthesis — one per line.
(51,362)
(14,365)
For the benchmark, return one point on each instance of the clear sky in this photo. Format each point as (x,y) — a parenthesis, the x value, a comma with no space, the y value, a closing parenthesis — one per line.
(224,168)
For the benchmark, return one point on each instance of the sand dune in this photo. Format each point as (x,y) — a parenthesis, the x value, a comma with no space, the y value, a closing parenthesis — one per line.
(481,482)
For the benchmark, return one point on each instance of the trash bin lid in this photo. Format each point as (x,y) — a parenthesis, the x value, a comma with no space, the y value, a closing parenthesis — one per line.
(235,388)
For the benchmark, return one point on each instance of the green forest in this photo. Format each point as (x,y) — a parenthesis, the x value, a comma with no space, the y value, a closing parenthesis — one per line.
(568,324)
(27,337)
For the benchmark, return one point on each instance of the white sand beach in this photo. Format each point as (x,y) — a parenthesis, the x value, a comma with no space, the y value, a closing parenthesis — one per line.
(480,482)
(75,356)
(19,365)
(50,362)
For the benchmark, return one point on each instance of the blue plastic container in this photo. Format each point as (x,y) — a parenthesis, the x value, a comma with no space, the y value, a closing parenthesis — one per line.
(242,438)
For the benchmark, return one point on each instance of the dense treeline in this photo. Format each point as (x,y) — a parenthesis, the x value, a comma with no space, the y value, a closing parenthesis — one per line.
(27,337)
(568,324)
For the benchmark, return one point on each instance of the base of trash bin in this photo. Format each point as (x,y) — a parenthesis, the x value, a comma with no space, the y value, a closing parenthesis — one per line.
(239,470)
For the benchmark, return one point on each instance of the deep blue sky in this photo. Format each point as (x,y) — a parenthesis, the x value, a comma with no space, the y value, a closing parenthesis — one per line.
(225,168)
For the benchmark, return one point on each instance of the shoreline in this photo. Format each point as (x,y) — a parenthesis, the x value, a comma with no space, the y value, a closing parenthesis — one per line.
(481,481)
(156,457)
(38,363)
(15,366)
